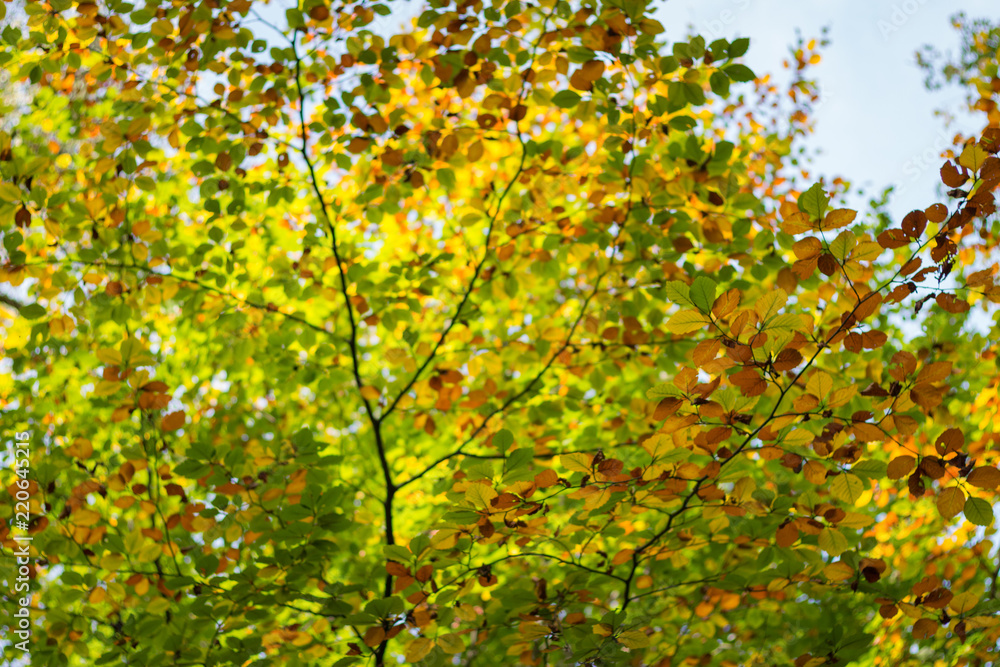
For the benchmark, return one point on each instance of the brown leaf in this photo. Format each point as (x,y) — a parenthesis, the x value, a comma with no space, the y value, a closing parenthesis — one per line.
(924,628)
(951,176)
(787,535)
(985,477)
(374,636)
(914,223)
(893,238)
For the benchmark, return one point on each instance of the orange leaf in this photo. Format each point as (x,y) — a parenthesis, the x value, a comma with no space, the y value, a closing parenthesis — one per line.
(172,421)
(546,478)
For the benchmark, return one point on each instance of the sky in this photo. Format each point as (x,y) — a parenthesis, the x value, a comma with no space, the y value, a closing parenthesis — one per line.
(875,124)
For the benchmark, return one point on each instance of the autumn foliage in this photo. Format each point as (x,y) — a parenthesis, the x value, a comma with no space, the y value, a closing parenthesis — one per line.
(521,335)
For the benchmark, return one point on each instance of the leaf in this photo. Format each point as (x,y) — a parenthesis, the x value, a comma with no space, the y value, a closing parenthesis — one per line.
(832,541)
(901,466)
(546,478)
(480,495)
(814,202)
(787,535)
(769,304)
(738,47)
(603,629)
(985,477)
(374,636)
(839,571)
(870,468)
(172,421)
(973,157)
(739,73)
(847,487)
(451,643)
(820,385)
(418,649)
(835,219)
(951,502)
(934,372)
(686,321)
(843,245)
(503,440)
(979,512)
(577,462)
(925,628)
(703,293)
(678,292)
(566,99)
(633,639)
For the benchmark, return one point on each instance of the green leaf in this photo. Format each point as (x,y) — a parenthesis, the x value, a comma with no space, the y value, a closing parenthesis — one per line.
(870,468)
(719,83)
(502,440)
(814,201)
(738,47)
(566,99)
(33,311)
(979,512)
(703,293)
(739,73)
(678,292)
(663,390)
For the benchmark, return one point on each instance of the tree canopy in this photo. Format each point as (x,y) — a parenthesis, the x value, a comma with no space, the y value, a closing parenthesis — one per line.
(517,335)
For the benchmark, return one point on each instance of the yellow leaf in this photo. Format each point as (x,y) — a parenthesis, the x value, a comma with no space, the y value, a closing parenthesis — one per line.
(951,502)
(110,357)
(85,517)
(840,217)
(603,629)
(973,157)
(848,487)
(686,322)
(451,643)
(418,649)
(17,334)
(963,602)
(533,630)
(798,437)
(576,462)
(97,595)
(839,571)
(633,639)
(833,541)
(841,396)
(855,520)
(81,449)
(768,305)
(480,495)
(820,385)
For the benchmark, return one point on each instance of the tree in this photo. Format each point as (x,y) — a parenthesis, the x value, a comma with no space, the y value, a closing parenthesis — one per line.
(516,335)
